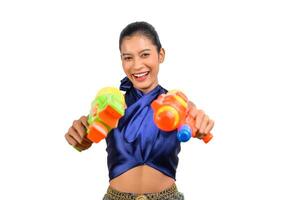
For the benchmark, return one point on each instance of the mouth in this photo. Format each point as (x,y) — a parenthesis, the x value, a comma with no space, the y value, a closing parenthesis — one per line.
(140,77)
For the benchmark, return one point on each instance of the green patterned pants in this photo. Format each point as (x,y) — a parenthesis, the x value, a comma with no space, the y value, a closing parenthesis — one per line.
(171,193)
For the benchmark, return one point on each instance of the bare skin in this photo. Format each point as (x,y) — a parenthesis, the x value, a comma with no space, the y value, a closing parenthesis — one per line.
(142,179)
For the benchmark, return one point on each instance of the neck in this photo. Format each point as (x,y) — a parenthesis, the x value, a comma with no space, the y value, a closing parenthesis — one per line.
(147,90)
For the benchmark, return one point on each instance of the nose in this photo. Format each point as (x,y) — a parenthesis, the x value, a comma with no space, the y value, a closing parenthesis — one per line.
(138,64)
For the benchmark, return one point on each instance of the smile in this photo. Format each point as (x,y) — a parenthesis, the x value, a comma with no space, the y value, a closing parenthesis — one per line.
(140,76)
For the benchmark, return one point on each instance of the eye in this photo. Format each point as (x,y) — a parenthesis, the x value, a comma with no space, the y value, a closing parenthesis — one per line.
(145,55)
(127,58)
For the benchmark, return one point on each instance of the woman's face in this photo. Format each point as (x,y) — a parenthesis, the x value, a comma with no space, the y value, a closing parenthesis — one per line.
(140,61)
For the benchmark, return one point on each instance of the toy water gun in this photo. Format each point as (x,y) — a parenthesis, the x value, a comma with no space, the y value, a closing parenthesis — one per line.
(171,112)
(106,110)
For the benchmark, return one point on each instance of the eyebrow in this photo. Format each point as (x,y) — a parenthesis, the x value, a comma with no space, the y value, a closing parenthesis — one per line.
(125,54)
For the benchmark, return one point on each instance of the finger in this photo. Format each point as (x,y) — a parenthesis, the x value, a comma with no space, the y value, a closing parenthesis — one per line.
(209,127)
(79,127)
(85,124)
(199,118)
(193,112)
(85,142)
(80,147)
(74,143)
(70,139)
(84,145)
(73,132)
(84,121)
(190,104)
(204,124)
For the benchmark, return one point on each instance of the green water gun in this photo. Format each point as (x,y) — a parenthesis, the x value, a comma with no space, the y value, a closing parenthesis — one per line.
(106,110)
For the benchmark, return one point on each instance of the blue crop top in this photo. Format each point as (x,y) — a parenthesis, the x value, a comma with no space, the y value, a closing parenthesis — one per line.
(137,141)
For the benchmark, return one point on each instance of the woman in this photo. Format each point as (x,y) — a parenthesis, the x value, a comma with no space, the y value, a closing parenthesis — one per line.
(142,159)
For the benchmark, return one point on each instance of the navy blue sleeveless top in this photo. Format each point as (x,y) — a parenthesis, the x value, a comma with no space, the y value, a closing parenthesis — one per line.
(137,141)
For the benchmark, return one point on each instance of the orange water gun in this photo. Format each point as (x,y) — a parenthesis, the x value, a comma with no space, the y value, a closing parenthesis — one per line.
(171,112)
(106,110)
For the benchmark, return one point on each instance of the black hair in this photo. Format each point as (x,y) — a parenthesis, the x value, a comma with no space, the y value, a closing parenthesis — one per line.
(143,28)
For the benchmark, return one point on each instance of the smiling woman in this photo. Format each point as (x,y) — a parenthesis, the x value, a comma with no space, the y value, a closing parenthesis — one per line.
(141,54)
(142,159)
(149,175)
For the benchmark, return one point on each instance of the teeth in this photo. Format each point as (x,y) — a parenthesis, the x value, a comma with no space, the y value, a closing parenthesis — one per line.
(140,75)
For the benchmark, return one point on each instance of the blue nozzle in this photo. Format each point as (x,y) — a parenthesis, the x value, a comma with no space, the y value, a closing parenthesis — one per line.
(184,133)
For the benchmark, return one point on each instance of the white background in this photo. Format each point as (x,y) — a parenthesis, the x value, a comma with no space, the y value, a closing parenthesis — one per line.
(237,60)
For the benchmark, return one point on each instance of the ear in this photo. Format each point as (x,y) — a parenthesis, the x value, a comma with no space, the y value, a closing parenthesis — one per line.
(161,55)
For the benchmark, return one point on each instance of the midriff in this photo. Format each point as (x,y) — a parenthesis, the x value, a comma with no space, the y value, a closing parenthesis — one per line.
(142,179)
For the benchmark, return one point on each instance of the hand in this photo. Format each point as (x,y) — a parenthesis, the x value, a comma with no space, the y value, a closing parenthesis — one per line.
(203,123)
(76,135)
